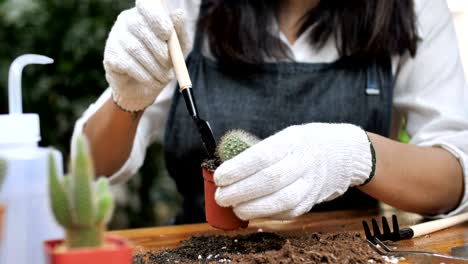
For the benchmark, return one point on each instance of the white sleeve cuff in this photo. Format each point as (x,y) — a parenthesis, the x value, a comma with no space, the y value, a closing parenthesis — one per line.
(79,124)
(463,159)
(150,129)
(137,154)
(134,161)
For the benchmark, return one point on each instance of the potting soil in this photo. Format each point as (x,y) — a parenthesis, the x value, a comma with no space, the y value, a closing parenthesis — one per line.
(265,247)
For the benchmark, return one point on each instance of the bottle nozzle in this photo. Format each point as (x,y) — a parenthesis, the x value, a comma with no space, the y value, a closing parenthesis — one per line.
(14,79)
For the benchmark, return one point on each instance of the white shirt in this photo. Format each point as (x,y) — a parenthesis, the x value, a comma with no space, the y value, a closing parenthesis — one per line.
(430,89)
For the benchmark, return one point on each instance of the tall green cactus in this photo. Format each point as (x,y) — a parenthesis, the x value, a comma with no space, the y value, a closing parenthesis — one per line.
(3,171)
(83,207)
(234,142)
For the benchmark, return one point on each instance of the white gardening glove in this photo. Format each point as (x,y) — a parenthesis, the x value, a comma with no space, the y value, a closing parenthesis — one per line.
(136,56)
(288,173)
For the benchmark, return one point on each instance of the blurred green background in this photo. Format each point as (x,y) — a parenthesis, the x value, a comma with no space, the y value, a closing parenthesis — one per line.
(73,33)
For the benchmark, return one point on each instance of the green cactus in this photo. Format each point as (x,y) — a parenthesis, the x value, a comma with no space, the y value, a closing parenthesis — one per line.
(3,171)
(83,207)
(234,142)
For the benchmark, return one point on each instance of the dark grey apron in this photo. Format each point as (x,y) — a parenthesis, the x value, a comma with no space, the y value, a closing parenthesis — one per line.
(266,99)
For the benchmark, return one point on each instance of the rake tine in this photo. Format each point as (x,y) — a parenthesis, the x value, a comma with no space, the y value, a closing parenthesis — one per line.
(382,245)
(374,247)
(398,252)
(389,251)
(417,256)
(367,231)
(396,229)
(387,234)
(376,229)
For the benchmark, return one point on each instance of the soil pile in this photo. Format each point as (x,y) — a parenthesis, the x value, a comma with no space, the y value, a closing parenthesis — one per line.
(265,247)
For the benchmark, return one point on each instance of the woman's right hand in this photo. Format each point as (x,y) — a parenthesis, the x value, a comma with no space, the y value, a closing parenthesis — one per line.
(136,56)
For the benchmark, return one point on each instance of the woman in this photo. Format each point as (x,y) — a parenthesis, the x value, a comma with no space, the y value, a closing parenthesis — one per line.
(324,83)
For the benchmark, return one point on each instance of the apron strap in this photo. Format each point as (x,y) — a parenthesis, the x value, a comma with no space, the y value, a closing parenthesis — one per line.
(198,41)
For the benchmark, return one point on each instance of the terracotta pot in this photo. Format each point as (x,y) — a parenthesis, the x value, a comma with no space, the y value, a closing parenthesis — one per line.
(2,218)
(119,252)
(217,216)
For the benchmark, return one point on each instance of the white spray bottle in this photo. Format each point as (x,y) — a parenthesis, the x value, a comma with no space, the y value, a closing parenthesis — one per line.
(28,218)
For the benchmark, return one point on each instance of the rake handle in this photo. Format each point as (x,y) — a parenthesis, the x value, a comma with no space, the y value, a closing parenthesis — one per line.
(436,225)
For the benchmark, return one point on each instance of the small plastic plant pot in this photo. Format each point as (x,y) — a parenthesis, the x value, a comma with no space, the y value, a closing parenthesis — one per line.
(116,251)
(217,216)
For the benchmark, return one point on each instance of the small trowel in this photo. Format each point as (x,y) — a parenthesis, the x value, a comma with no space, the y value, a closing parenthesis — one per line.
(185,85)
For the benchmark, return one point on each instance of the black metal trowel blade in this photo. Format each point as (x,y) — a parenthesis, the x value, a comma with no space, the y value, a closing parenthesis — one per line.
(203,126)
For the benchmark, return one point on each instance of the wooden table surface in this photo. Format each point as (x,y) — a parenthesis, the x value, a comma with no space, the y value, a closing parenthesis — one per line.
(440,242)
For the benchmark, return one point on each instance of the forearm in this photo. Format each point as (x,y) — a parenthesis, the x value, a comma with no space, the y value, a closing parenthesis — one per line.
(110,132)
(426,180)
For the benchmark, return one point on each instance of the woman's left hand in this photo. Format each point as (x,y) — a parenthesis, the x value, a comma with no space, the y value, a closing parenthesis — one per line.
(288,173)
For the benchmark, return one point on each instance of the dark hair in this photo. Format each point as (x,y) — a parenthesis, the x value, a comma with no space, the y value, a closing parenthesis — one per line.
(240,30)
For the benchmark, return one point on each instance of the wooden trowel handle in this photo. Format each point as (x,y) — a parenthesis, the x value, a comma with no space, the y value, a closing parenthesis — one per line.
(436,225)
(178,61)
